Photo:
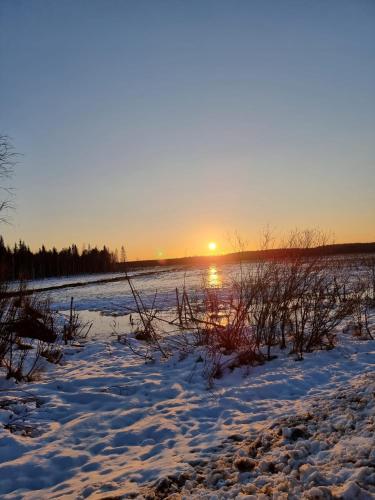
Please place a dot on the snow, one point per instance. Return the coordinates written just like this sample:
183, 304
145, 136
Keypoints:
114, 298
335, 460
86, 278
106, 423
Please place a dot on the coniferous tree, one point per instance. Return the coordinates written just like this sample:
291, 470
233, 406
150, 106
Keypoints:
21, 263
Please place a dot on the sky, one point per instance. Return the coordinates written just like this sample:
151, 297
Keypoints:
164, 125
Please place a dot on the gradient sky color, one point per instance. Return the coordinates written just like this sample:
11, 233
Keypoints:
163, 125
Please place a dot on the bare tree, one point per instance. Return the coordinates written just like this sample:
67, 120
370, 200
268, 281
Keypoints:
7, 162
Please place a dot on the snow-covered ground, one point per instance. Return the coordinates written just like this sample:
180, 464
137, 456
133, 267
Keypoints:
104, 423
325, 451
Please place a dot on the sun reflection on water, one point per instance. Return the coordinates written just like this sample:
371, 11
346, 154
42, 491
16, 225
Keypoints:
213, 277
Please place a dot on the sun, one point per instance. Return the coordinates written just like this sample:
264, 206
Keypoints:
212, 246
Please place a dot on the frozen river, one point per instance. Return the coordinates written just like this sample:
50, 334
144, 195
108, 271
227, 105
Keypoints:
101, 302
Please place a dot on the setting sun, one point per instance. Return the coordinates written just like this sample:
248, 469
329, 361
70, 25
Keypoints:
212, 246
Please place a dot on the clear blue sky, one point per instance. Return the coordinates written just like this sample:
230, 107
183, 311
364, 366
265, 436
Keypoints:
163, 125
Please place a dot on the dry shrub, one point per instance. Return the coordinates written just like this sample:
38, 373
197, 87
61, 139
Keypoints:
31, 331
297, 299
74, 329
361, 303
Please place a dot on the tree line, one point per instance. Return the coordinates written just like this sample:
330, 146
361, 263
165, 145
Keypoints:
20, 262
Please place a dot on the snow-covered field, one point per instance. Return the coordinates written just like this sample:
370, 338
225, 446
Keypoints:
105, 423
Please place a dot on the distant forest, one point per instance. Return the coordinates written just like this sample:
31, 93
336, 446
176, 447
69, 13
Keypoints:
20, 262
